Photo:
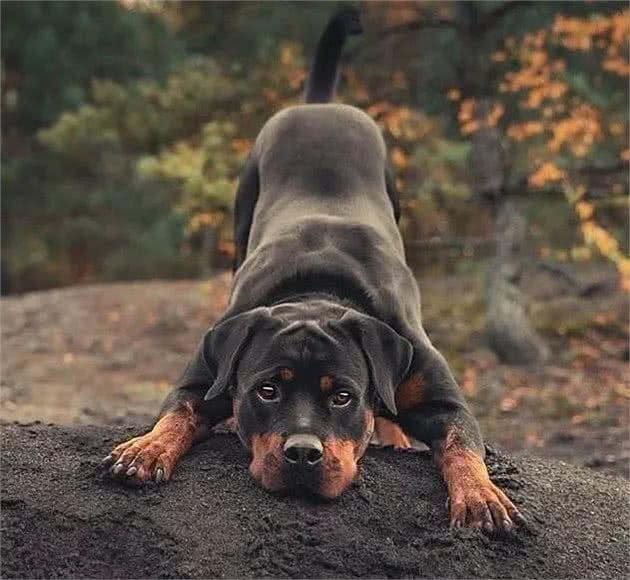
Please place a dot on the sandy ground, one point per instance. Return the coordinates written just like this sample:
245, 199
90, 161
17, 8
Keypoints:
62, 519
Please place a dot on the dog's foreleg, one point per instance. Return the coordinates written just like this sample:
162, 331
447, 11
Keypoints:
432, 409
185, 418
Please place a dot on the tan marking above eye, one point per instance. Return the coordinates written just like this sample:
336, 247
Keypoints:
287, 374
326, 383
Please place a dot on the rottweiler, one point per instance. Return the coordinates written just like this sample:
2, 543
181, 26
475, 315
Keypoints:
322, 340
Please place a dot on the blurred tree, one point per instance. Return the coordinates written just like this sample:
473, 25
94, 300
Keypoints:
160, 133
51, 51
139, 135
574, 124
556, 104
62, 46
476, 73
113, 121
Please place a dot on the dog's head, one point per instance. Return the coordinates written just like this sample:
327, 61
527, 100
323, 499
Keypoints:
304, 380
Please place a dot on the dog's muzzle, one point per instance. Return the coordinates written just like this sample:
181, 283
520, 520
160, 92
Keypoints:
303, 451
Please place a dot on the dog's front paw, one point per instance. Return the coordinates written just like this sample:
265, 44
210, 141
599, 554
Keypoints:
483, 506
152, 457
141, 459
473, 499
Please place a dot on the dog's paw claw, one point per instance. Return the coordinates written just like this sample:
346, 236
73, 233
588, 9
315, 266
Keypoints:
152, 456
519, 518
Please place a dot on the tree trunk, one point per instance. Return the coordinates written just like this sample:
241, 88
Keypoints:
208, 248
508, 331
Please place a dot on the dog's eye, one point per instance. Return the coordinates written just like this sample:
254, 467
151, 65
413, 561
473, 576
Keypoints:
341, 398
267, 392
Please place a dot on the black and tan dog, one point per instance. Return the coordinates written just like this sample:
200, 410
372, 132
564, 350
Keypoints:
322, 339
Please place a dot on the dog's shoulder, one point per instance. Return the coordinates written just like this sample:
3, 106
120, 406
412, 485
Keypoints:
348, 258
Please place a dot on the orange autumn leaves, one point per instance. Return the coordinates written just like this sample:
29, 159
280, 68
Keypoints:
560, 126
576, 131
546, 173
470, 120
597, 236
537, 74
607, 33
579, 131
405, 125
565, 118
522, 131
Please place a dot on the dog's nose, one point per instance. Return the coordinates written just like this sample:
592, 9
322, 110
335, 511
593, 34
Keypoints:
303, 450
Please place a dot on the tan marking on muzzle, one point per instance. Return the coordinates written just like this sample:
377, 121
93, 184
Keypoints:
267, 460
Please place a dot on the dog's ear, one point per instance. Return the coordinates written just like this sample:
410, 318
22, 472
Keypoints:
387, 353
215, 361
224, 344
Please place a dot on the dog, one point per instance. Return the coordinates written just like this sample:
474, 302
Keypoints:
322, 340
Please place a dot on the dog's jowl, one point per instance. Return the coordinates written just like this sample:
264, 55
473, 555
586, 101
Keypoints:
322, 340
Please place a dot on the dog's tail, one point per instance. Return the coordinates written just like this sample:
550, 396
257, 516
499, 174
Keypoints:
322, 79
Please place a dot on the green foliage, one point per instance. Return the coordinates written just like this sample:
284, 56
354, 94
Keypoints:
147, 139
204, 174
52, 50
443, 166
125, 124
155, 251
144, 116
62, 214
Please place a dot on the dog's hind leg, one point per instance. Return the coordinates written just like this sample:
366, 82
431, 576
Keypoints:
392, 192
244, 205
389, 434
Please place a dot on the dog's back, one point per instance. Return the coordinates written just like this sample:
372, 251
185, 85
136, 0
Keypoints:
321, 161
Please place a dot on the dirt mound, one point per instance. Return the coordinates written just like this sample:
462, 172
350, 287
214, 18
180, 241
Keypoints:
60, 518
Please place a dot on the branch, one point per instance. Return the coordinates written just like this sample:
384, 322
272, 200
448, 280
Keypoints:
415, 25
598, 170
445, 24
411, 26
493, 17
519, 185
582, 289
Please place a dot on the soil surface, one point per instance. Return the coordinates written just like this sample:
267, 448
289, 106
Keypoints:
62, 518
